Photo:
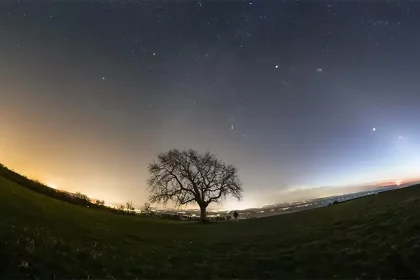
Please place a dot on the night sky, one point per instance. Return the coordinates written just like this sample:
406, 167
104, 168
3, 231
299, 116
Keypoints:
296, 94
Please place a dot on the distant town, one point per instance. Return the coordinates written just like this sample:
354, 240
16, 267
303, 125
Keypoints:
270, 210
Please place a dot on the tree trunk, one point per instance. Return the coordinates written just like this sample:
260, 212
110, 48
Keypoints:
203, 216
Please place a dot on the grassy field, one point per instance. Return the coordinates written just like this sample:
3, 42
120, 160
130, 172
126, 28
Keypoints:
377, 236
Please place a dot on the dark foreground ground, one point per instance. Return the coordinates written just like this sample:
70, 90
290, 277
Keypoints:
372, 237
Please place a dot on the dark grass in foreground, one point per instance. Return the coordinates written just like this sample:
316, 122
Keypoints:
377, 236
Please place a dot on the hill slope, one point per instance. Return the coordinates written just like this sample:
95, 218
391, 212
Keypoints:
375, 236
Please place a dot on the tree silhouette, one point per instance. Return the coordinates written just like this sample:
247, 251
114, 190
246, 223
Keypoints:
147, 209
129, 206
100, 202
186, 177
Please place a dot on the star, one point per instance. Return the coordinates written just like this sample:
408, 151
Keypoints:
319, 70
231, 127
374, 129
103, 78
154, 53
276, 66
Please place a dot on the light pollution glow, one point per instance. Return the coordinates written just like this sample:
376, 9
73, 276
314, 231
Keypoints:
23, 150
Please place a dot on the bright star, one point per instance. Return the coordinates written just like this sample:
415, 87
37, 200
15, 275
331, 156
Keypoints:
374, 129
276, 66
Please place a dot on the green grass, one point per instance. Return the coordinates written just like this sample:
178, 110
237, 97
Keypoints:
372, 237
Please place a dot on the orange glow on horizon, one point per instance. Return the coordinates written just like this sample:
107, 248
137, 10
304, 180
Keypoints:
52, 186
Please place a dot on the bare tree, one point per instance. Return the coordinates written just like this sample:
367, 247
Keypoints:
100, 202
147, 208
185, 177
129, 206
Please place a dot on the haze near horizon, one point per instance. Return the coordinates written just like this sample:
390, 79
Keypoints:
296, 95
